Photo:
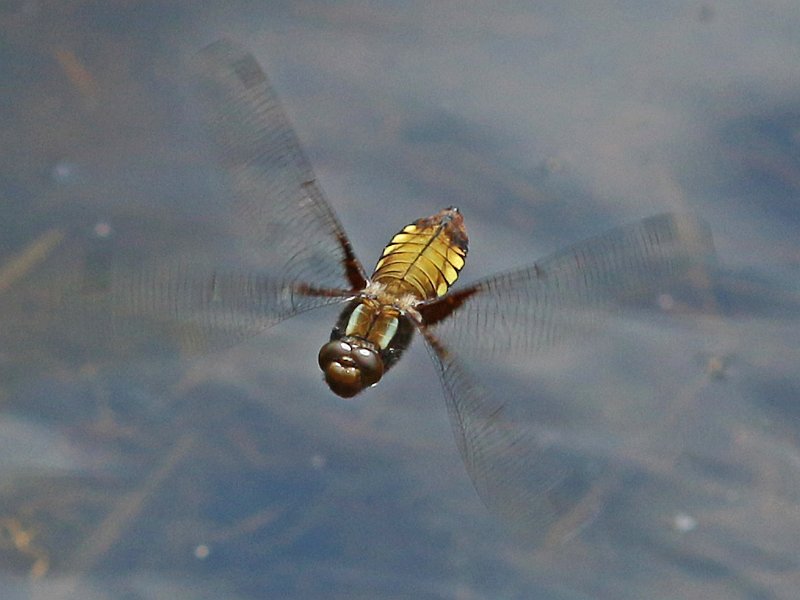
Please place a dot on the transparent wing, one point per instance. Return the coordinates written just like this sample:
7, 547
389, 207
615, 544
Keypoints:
276, 201
511, 464
265, 246
534, 431
567, 293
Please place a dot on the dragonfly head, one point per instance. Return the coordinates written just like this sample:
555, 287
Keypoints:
350, 366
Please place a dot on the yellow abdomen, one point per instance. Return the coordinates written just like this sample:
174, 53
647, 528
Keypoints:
425, 258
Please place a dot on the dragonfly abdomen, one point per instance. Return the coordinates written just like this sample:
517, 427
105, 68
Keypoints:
425, 257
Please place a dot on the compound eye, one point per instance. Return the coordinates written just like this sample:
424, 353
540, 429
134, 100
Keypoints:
349, 369
333, 351
370, 365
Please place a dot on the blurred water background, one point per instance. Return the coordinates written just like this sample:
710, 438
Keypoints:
237, 474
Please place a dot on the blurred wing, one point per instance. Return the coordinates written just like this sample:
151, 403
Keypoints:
282, 251
511, 465
567, 293
277, 203
86, 300
532, 469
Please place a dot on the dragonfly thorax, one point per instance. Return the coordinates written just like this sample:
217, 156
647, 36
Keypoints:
368, 338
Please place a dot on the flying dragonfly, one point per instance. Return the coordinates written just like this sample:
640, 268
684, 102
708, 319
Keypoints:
304, 260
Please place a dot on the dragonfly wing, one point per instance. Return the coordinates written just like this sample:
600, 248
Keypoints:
265, 246
511, 465
84, 299
537, 454
276, 200
534, 308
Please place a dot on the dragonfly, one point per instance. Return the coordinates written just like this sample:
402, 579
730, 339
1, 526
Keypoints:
302, 259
